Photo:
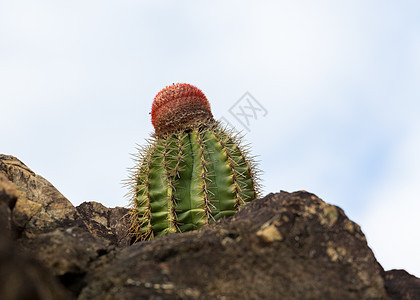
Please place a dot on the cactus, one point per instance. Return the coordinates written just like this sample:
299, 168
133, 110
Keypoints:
192, 170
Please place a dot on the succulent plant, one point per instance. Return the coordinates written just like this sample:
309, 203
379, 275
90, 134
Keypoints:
192, 171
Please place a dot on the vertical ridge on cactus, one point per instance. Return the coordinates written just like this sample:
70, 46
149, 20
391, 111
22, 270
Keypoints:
192, 171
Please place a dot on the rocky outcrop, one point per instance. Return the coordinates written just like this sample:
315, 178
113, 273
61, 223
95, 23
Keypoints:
63, 239
41, 207
401, 285
21, 276
8, 198
112, 224
285, 245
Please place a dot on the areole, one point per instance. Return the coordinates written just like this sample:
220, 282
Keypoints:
192, 170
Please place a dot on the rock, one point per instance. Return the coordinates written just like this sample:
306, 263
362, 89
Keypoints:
110, 223
288, 246
21, 276
48, 225
42, 208
67, 254
8, 197
401, 285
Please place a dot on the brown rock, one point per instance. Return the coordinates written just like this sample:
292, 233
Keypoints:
8, 198
42, 208
66, 251
21, 277
401, 285
284, 246
67, 254
49, 226
109, 223
288, 246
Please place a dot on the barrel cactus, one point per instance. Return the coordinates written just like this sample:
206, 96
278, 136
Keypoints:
192, 171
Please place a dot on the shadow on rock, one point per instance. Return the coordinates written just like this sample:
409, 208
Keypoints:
283, 246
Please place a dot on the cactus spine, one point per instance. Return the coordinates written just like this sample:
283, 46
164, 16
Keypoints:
192, 171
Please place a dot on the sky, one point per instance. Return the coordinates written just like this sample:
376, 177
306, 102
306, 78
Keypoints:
326, 92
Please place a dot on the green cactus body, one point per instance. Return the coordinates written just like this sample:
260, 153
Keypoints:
189, 177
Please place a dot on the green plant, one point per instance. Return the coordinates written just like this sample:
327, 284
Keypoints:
192, 170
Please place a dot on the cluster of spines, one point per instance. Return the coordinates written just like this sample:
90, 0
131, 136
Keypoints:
138, 192
167, 156
207, 206
233, 165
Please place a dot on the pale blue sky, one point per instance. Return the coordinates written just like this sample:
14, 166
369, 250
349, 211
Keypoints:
340, 82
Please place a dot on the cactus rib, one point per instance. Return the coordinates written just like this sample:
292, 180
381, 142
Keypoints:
193, 170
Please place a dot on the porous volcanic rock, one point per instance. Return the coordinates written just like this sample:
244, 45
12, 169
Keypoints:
283, 246
41, 207
44, 223
400, 284
8, 197
38, 208
21, 276
67, 253
112, 224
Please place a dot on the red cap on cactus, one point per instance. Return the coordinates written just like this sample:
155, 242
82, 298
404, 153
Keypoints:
178, 106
